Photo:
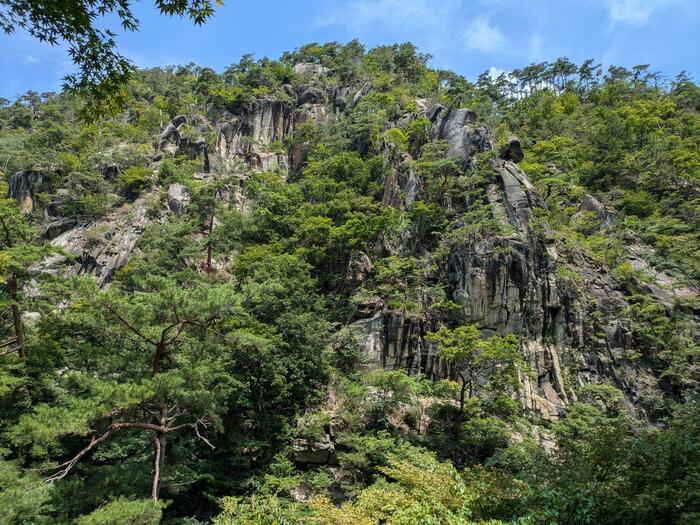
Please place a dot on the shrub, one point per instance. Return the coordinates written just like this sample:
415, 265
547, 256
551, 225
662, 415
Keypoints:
133, 180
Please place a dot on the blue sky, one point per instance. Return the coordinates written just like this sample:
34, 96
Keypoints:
468, 36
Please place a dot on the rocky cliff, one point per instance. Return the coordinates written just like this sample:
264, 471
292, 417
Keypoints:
573, 331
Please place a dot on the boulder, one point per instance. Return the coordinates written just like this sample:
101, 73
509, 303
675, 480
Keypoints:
169, 140
178, 198
312, 95
110, 172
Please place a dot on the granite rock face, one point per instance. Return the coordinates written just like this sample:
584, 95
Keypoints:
178, 198
24, 187
512, 150
169, 140
508, 283
464, 135
604, 214
243, 139
100, 248
172, 142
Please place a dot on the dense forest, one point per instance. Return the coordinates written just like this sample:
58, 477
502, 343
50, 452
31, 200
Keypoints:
344, 287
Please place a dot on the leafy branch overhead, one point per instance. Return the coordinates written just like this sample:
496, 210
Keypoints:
102, 71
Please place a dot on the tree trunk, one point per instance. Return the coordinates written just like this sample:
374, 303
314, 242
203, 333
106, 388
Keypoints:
462, 393
157, 357
209, 247
158, 464
16, 317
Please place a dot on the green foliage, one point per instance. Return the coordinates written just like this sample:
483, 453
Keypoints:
473, 357
123, 511
24, 498
235, 324
102, 70
133, 180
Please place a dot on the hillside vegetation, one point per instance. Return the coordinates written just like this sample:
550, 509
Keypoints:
343, 287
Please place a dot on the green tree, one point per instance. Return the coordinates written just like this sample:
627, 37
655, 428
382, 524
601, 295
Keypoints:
149, 362
20, 246
473, 357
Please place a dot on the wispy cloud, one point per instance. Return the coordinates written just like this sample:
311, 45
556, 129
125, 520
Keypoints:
483, 36
635, 12
391, 15
495, 72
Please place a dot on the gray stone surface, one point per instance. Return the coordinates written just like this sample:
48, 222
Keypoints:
178, 198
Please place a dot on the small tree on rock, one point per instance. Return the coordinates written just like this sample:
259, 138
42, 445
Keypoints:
474, 357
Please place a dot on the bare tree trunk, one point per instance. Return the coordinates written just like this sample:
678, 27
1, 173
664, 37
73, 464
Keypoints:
158, 464
16, 317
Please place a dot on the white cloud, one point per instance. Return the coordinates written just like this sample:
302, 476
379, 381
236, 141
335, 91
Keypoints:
495, 72
392, 15
635, 12
482, 36
29, 59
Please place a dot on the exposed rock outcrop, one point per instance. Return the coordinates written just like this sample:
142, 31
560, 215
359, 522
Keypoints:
178, 198
512, 150
24, 186
309, 70
359, 267
507, 283
169, 140
604, 214
464, 135
100, 248
315, 452
245, 138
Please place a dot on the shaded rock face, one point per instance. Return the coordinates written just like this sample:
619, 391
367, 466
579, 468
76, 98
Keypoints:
173, 143
57, 227
24, 187
319, 452
512, 150
393, 341
359, 267
110, 172
242, 138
